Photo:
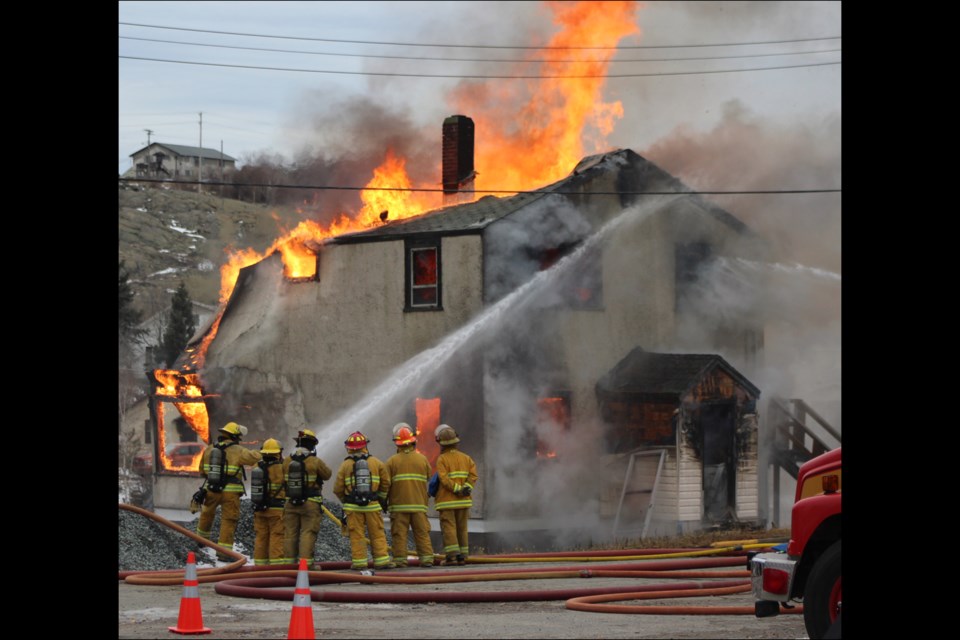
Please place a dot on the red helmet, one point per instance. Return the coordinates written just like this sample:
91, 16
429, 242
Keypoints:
355, 441
404, 436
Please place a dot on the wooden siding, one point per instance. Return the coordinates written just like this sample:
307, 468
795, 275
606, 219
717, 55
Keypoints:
690, 485
748, 472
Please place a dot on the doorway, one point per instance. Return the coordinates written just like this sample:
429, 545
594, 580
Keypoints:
718, 426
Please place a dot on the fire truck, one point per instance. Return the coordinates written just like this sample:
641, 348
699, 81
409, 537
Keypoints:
809, 569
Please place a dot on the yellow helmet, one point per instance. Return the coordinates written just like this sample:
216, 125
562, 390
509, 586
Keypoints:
404, 436
446, 435
270, 446
234, 429
306, 438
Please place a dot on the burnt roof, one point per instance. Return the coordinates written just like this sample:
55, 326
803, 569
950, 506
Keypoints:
475, 216
665, 374
456, 219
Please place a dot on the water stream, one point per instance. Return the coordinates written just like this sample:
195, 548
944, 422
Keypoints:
405, 377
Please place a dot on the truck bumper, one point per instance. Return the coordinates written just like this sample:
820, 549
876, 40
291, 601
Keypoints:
771, 577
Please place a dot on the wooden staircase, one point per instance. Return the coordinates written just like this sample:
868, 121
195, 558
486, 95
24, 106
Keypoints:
794, 433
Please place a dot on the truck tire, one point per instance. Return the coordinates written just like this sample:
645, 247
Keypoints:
821, 598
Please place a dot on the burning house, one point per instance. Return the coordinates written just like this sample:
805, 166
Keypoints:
511, 319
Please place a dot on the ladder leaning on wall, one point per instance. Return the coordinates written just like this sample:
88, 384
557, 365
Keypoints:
651, 490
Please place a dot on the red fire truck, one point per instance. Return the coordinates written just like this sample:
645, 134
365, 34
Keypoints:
809, 570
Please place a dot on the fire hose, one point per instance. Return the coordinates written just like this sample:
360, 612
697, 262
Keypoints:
276, 582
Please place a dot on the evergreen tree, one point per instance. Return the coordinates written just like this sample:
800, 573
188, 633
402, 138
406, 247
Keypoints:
180, 326
129, 336
130, 332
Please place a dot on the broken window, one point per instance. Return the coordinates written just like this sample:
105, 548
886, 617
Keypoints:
689, 260
423, 275
553, 421
581, 287
181, 434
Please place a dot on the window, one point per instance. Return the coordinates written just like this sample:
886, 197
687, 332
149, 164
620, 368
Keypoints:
689, 260
553, 421
423, 275
582, 285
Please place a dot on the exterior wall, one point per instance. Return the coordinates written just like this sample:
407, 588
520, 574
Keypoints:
748, 473
689, 489
638, 296
179, 166
316, 348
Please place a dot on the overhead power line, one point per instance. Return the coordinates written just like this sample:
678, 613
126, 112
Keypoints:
475, 46
504, 191
449, 59
477, 76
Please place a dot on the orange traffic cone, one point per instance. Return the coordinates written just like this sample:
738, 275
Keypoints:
190, 620
301, 622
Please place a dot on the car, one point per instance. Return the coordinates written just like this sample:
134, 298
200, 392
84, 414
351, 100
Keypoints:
181, 454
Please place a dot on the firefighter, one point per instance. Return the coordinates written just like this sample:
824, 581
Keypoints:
457, 474
268, 502
407, 498
303, 475
362, 485
222, 467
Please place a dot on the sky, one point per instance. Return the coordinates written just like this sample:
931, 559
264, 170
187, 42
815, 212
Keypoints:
249, 111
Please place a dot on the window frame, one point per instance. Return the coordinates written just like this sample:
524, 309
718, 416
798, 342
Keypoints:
411, 246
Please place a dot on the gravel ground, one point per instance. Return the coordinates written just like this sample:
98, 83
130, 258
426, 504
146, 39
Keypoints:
147, 545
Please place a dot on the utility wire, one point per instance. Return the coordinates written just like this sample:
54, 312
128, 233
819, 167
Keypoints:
447, 59
506, 191
478, 77
475, 46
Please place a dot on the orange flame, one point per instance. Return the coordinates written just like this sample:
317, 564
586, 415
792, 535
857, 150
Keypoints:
195, 413
533, 143
542, 138
553, 416
428, 419
177, 385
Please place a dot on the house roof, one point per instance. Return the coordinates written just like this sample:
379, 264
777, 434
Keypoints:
648, 373
463, 218
192, 152
475, 216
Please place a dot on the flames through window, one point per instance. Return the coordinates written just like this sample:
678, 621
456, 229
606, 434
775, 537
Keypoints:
553, 420
192, 424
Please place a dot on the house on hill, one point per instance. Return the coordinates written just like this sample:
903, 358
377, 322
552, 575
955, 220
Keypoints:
181, 162
507, 318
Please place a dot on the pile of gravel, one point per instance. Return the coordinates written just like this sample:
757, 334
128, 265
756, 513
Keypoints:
147, 545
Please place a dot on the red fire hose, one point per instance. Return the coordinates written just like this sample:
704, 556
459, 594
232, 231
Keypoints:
277, 583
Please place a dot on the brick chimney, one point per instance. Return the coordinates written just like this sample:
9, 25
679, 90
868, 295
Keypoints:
458, 169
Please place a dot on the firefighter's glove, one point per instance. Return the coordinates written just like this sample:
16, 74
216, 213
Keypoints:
383, 504
197, 500
467, 490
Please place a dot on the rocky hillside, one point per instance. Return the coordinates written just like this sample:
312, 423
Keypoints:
167, 235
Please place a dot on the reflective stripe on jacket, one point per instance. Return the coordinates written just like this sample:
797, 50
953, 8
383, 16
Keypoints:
315, 470
379, 484
237, 458
455, 470
409, 473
